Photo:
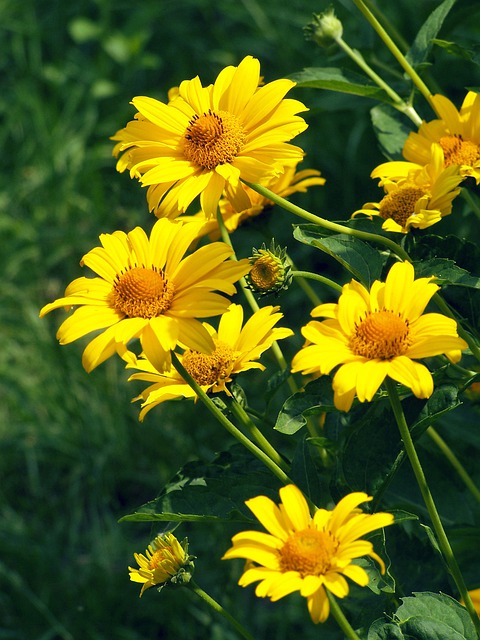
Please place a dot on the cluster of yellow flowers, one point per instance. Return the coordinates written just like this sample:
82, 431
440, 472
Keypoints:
212, 142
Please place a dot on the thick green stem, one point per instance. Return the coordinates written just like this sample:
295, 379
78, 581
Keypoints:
442, 539
398, 102
395, 51
229, 426
340, 618
327, 224
193, 586
319, 278
241, 415
455, 462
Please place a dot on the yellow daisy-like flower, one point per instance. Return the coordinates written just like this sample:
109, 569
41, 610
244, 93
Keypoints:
475, 596
457, 132
207, 138
147, 288
304, 553
237, 349
166, 560
416, 196
378, 333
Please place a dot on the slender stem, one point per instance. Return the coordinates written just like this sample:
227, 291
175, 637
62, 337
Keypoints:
318, 277
395, 51
398, 102
229, 426
327, 224
240, 413
340, 618
442, 539
193, 586
443, 306
467, 196
455, 462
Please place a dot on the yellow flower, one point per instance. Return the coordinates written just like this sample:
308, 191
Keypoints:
165, 561
378, 333
475, 596
148, 289
236, 350
457, 132
207, 138
416, 196
304, 553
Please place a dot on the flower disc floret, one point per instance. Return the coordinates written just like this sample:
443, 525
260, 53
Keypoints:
305, 553
372, 334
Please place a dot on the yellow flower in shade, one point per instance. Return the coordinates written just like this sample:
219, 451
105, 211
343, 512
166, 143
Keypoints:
457, 132
208, 138
237, 349
165, 561
416, 196
378, 333
304, 553
148, 289
291, 181
475, 596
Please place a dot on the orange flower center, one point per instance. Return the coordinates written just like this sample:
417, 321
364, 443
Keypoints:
142, 293
310, 552
208, 369
400, 204
382, 334
156, 560
264, 272
459, 151
213, 138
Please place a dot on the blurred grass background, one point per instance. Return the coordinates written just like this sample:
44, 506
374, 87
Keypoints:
74, 458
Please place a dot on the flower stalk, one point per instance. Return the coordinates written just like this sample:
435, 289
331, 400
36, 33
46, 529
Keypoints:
340, 618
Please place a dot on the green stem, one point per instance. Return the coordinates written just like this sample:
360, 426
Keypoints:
455, 462
467, 196
241, 415
327, 224
395, 51
398, 102
193, 586
445, 309
319, 278
229, 426
442, 539
340, 618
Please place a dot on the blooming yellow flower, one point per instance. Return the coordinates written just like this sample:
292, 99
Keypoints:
416, 196
207, 138
378, 333
237, 349
304, 553
148, 289
457, 132
290, 181
166, 560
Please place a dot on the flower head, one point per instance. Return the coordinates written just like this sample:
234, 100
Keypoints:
206, 138
457, 132
236, 349
271, 270
148, 289
416, 196
166, 561
324, 28
305, 553
378, 333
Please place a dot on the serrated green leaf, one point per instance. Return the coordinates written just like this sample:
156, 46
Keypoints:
360, 259
316, 398
423, 42
446, 272
443, 400
341, 80
390, 129
211, 491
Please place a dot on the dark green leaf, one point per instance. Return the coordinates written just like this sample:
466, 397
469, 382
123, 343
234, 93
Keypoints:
211, 491
429, 30
360, 259
446, 272
443, 400
316, 398
454, 49
341, 80
306, 471
390, 128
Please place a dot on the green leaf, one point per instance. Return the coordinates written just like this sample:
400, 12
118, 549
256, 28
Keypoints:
360, 259
446, 272
214, 491
443, 400
341, 80
471, 55
316, 398
426, 616
306, 471
429, 30
390, 129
